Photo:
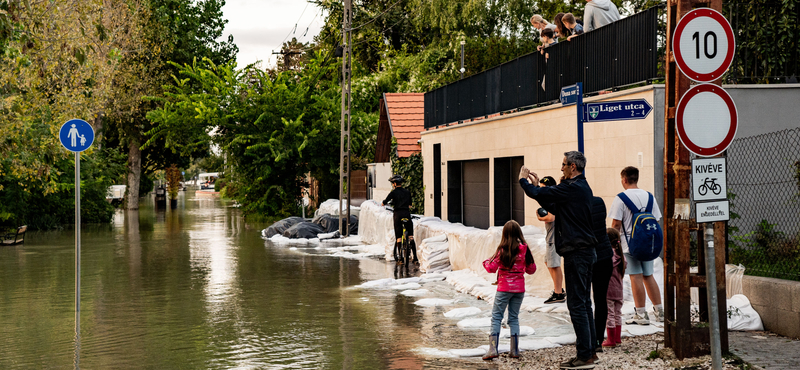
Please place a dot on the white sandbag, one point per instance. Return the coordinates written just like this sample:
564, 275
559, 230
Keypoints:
523, 332
433, 302
434, 254
733, 280
462, 312
480, 322
415, 292
741, 315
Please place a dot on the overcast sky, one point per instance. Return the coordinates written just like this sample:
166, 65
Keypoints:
259, 27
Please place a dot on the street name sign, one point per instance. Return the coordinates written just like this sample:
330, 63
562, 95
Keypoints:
709, 181
76, 135
619, 110
712, 211
570, 94
703, 44
706, 120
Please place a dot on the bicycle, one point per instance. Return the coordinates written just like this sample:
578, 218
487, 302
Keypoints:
405, 248
709, 183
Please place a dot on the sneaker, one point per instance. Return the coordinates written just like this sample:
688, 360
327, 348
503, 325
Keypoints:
576, 363
658, 315
556, 297
639, 320
596, 359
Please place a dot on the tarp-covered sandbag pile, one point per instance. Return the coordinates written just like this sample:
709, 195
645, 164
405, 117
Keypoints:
279, 227
298, 228
331, 207
330, 223
303, 230
434, 255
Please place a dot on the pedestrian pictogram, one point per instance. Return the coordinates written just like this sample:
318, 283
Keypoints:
703, 45
76, 135
706, 120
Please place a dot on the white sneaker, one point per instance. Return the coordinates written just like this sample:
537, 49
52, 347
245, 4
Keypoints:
638, 320
658, 315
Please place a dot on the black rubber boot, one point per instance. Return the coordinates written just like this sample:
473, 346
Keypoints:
493, 339
514, 353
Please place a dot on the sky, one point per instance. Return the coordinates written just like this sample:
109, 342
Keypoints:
259, 27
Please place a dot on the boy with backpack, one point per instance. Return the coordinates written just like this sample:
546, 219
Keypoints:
642, 241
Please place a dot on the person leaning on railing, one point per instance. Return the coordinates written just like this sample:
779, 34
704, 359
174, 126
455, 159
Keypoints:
574, 26
599, 13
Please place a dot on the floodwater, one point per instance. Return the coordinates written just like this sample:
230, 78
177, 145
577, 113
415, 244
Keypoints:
197, 288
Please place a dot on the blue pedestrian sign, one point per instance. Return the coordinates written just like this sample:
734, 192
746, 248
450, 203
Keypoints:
570, 94
76, 135
619, 110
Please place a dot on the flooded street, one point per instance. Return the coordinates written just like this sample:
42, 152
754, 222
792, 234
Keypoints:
198, 288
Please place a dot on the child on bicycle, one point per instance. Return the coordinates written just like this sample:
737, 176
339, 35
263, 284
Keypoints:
401, 203
514, 260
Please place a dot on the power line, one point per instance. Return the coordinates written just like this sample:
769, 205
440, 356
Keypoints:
295, 25
377, 16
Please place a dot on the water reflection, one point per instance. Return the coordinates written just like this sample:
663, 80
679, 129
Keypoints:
197, 287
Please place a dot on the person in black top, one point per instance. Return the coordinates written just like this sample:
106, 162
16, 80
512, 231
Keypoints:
400, 198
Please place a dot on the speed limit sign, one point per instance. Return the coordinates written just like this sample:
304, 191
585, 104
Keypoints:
703, 44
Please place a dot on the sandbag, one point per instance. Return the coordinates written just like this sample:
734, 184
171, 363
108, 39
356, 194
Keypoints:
281, 226
330, 223
303, 230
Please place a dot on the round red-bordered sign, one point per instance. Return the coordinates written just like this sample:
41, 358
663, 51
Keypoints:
706, 120
703, 44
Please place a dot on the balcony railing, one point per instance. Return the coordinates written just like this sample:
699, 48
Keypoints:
619, 54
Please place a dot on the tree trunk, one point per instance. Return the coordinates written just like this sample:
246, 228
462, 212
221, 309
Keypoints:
134, 174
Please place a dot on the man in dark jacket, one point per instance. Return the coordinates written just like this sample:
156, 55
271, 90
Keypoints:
570, 201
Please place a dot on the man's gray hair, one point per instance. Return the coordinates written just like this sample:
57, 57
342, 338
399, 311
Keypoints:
577, 158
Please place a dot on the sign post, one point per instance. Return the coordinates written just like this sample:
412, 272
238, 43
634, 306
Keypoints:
76, 136
573, 94
706, 121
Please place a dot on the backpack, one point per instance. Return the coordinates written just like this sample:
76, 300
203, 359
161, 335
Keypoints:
646, 239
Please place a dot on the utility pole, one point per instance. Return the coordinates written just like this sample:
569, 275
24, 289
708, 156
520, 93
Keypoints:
344, 157
462, 59
287, 57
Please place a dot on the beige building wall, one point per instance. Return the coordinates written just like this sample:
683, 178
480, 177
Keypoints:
542, 136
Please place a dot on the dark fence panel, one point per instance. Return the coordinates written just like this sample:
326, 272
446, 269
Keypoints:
764, 190
618, 54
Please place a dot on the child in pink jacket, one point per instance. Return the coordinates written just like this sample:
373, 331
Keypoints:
614, 295
513, 259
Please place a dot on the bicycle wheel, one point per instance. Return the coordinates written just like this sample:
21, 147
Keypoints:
702, 189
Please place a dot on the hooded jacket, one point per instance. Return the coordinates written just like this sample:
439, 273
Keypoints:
599, 13
571, 202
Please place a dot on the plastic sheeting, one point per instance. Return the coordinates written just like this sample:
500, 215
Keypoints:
741, 315
279, 227
330, 223
331, 207
303, 230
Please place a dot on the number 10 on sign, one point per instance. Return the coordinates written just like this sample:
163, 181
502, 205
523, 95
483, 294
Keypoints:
703, 45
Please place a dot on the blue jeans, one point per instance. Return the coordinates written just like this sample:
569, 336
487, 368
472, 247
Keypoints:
502, 300
578, 281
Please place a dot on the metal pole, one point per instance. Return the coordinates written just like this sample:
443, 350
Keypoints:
462, 59
77, 256
713, 308
344, 157
580, 116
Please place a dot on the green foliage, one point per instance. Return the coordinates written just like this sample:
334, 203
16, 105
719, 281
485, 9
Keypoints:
146, 184
411, 169
767, 40
29, 203
767, 251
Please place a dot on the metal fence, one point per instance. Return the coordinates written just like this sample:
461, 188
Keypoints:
764, 189
619, 54
767, 41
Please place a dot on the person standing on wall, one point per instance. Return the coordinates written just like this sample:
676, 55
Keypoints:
641, 272
570, 201
400, 198
599, 13
551, 259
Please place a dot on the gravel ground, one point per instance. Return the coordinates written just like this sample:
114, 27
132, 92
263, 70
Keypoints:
633, 353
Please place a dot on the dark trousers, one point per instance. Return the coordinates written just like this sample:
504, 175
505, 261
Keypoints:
578, 279
601, 274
